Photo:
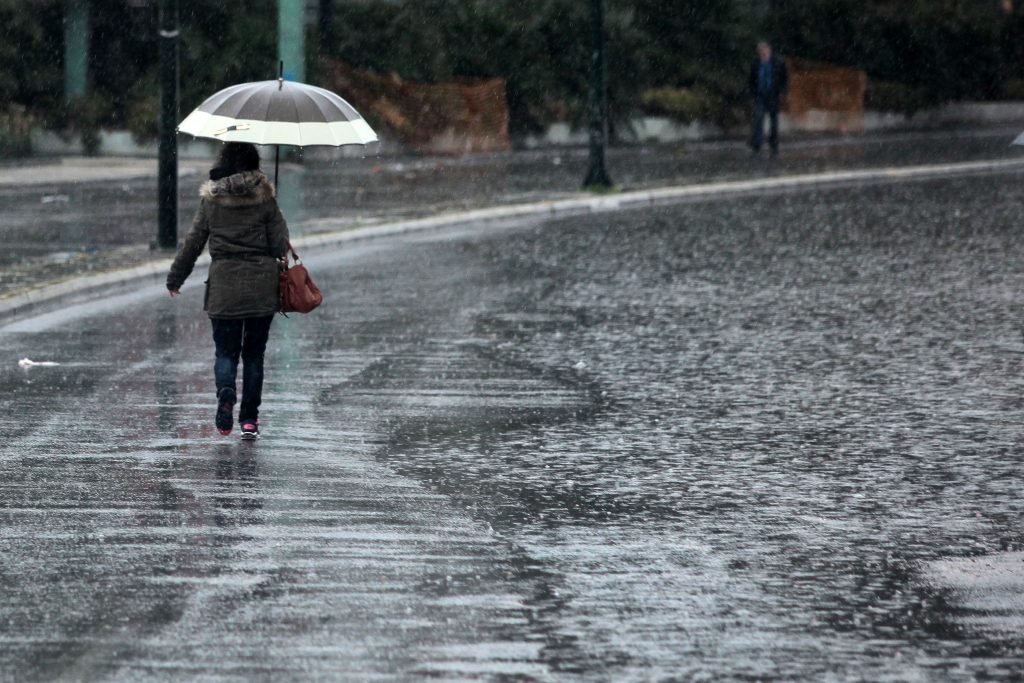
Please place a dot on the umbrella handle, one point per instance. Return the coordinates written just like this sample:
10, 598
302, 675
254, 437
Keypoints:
277, 148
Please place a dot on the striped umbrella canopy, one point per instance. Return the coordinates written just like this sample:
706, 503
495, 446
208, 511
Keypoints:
278, 112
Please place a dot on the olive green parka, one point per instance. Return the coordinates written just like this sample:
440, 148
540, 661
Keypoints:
238, 215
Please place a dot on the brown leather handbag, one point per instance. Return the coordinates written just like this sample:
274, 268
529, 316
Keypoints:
296, 288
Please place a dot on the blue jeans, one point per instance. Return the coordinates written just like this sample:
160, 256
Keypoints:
245, 339
762, 107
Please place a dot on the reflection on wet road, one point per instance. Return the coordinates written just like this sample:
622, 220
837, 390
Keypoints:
761, 439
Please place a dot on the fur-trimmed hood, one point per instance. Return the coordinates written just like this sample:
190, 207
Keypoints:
239, 189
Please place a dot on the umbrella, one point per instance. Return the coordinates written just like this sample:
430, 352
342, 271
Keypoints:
278, 112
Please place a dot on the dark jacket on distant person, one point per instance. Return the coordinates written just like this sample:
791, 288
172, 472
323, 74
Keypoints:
779, 81
238, 215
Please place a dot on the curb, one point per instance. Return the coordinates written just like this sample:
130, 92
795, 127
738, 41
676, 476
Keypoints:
88, 287
88, 170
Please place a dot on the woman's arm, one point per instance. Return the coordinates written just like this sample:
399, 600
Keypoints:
190, 250
277, 232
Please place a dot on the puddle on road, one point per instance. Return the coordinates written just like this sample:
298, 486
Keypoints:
985, 593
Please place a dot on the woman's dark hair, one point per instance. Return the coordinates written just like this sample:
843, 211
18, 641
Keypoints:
235, 157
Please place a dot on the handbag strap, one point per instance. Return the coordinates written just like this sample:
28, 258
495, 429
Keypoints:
295, 256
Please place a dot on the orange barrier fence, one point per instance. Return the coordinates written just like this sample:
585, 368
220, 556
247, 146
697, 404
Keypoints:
442, 118
826, 97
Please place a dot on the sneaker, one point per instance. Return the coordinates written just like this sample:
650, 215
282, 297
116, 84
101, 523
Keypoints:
250, 430
225, 411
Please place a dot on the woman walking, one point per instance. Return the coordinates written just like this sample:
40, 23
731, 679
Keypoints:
238, 214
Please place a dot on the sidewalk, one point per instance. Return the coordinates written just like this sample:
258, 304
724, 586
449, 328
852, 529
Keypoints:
70, 170
85, 217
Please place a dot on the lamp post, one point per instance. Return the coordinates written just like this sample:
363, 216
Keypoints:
291, 38
167, 175
597, 176
76, 49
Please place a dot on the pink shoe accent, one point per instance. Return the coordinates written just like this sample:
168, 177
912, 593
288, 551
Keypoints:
249, 425
224, 432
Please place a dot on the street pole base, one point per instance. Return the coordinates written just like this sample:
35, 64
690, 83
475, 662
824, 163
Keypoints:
597, 180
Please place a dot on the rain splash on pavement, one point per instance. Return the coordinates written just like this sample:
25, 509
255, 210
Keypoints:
732, 440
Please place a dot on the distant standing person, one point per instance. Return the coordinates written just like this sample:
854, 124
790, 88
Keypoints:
769, 84
239, 217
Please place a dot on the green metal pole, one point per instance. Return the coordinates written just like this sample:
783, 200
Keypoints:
291, 38
167, 175
76, 49
597, 176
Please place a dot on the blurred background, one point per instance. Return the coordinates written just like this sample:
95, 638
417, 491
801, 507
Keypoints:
445, 76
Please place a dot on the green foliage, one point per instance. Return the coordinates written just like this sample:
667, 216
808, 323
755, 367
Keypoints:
700, 47
541, 48
601, 189
683, 104
31, 52
142, 111
940, 49
896, 97
85, 116
682, 58
224, 43
538, 47
684, 43
221, 44
1013, 89
15, 132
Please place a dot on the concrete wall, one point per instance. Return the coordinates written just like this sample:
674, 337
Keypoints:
116, 143
977, 113
655, 129
642, 130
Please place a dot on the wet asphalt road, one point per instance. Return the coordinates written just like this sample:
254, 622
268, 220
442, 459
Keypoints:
772, 438
50, 227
